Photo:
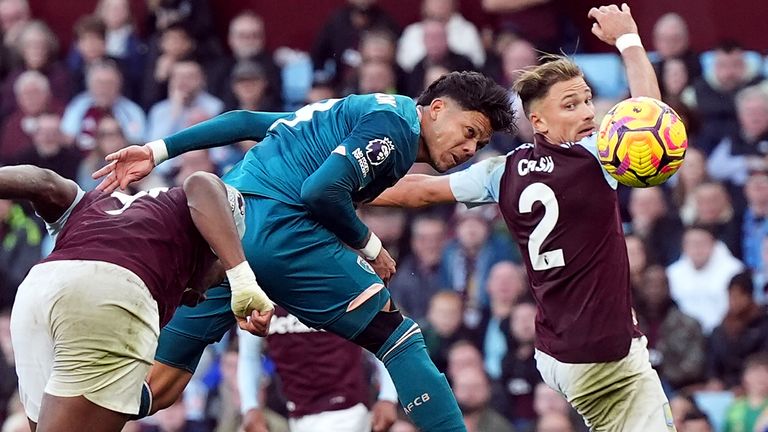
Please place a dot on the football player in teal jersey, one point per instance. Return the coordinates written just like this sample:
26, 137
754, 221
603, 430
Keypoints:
310, 251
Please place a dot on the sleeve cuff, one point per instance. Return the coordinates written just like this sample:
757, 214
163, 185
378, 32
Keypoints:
159, 151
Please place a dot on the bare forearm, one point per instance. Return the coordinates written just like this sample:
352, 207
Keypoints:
495, 6
416, 190
208, 205
49, 193
640, 74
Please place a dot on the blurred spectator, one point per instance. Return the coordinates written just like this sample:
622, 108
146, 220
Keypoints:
691, 174
247, 43
520, 376
19, 251
754, 226
37, 46
697, 421
433, 73
188, 102
506, 286
638, 260
50, 149
419, 275
319, 92
674, 79
175, 44
14, 15
443, 327
554, 422
389, 225
699, 280
516, 56
379, 45
462, 356
743, 413
194, 15
676, 344
712, 97
548, 402
102, 97
714, 209
473, 393
438, 52
743, 332
8, 380
746, 148
462, 36
334, 53
109, 139
123, 43
543, 22
88, 48
468, 259
376, 77
682, 404
249, 86
659, 228
191, 162
33, 94
671, 41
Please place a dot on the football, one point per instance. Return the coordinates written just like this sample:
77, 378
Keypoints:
641, 142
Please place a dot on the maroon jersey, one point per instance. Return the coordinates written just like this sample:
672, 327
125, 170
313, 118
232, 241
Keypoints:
320, 371
559, 205
150, 233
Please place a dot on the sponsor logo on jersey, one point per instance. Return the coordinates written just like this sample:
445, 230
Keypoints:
545, 164
420, 400
378, 150
364, 264
364, 168
287, 325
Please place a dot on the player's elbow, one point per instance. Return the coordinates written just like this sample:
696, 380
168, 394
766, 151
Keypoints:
314, 195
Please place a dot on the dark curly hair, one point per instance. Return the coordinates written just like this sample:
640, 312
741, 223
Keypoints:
474, 91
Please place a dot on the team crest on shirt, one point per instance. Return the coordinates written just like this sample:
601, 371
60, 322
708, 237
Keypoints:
364, 264
378, 150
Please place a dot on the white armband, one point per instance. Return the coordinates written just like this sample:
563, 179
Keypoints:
159, 151
628, 40
372, 248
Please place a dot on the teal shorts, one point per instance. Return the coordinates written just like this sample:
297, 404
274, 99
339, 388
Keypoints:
301, 265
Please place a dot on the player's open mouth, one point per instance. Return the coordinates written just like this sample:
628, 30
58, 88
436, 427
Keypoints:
587, 131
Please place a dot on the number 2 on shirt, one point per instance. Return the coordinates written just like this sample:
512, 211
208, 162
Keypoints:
545, 195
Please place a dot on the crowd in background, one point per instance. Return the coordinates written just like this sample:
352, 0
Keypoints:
697, 245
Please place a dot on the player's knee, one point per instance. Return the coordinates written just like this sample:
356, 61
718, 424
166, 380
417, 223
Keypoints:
379, 330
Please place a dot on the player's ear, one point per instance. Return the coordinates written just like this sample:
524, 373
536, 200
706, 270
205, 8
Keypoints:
538, 123
435, 107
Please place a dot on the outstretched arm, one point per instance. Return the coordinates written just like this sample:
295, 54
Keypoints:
136, 162
616, 27
417, 190
212, 215
50, 194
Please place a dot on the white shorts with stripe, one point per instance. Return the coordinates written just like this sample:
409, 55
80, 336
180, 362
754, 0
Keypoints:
83, 328
620, 396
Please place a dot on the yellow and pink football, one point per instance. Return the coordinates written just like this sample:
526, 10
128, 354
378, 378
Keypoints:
641, 142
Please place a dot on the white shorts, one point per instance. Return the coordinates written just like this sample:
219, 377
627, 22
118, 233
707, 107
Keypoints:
83, 328
624, 395
353, 419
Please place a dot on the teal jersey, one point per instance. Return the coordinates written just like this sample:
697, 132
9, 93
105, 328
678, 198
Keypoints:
377, 133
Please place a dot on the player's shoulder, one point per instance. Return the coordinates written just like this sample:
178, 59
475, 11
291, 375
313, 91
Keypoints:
384, 105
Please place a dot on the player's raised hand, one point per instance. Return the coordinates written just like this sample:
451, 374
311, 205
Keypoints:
125, 166
384, 266
383, 416
612, 22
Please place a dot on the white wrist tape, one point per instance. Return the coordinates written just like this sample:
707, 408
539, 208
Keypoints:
372, 248
159, 151
628, 40
240, 277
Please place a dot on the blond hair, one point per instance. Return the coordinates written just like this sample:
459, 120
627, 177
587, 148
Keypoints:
534, 83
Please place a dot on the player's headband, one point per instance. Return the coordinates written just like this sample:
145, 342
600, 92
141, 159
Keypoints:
237, 207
